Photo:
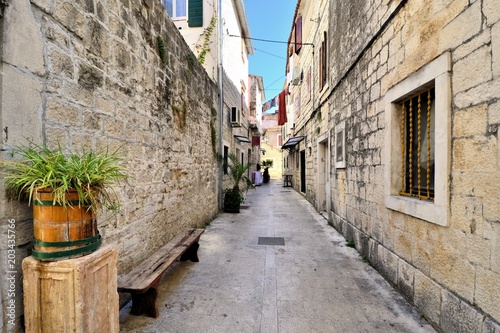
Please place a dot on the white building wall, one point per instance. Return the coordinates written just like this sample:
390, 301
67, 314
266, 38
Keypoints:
194, 36
234, 52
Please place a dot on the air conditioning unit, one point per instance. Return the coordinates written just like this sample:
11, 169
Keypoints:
235, 117
297, 76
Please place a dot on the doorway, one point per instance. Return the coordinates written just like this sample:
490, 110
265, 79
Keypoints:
323, 194
303, 171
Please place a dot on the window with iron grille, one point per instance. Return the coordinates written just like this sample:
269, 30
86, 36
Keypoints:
417, 145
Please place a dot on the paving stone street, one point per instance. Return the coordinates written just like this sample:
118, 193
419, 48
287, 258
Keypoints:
312, 283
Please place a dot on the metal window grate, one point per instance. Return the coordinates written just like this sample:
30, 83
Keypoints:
271, 241
417, 146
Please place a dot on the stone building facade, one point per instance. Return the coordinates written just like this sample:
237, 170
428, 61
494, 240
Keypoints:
257, 96
440, 250
109, 74
271, 146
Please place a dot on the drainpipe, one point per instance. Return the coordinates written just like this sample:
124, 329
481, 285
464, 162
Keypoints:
221, 104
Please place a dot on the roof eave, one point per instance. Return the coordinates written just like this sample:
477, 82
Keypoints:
242, 17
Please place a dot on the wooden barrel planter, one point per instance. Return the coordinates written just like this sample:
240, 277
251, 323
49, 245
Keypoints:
62, 232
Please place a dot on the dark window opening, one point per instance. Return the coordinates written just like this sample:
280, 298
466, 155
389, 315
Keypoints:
417, 145
323, 62
225, 159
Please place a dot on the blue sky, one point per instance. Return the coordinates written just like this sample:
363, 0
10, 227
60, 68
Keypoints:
270, 20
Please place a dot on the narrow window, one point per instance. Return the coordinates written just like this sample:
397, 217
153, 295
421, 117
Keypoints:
175, 8
417, 145
340, 159
298, 103
225, 161
323, 62
169, 6
308, 86
298, 34
244, 107
180, 8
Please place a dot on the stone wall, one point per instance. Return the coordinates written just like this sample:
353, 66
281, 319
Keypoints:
310, 117
88, 73
450, 273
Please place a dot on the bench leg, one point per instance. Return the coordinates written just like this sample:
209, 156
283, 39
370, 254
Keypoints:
191, 253
145, 303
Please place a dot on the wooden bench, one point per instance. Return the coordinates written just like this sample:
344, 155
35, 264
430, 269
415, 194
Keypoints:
142, 282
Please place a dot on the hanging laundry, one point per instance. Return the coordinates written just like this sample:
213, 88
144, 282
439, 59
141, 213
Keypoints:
270, 104
277, 100
266, 106
282, 119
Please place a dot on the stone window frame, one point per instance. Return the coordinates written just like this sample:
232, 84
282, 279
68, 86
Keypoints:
436, 73
340, 129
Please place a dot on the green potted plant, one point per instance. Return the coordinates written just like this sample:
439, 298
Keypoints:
233, 197
66, 191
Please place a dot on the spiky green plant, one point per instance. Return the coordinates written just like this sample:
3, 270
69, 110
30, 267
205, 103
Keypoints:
237, 172
90, 172
233, 197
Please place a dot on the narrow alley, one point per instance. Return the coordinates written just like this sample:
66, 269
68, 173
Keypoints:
312, 283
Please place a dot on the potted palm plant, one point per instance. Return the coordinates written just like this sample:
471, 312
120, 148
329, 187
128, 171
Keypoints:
233, 197
66, 191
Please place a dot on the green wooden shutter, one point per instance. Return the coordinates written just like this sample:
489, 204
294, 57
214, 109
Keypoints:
195, 13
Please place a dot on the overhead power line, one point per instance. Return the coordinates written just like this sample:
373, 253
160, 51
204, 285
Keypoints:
270, 41
270, 85
271, 54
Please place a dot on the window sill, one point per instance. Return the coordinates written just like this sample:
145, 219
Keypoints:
322, 93
424, 210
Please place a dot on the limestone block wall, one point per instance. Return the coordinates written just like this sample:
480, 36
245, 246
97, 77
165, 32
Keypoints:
89, 74
305, 99
449, 272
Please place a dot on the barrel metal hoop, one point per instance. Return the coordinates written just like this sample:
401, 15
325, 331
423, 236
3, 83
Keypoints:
92, 239
94, 244
38, 202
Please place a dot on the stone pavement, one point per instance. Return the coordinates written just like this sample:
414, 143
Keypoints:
312, 283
